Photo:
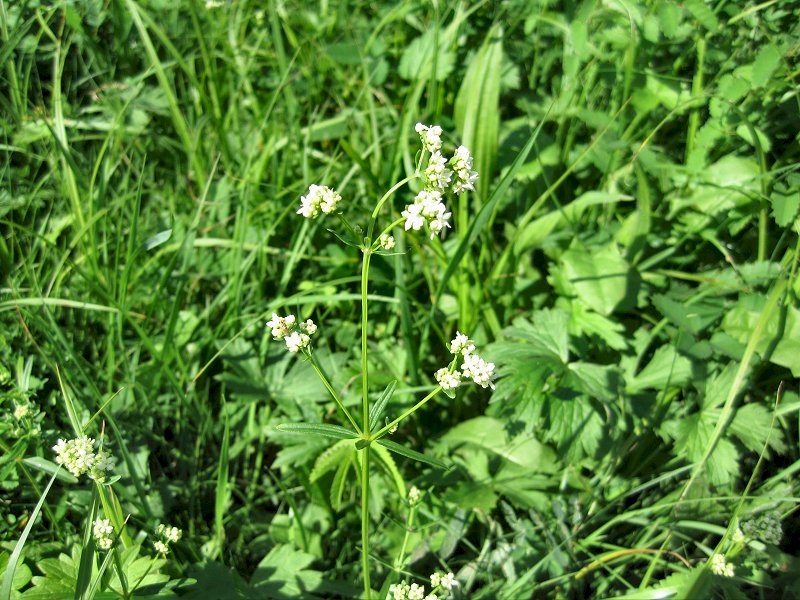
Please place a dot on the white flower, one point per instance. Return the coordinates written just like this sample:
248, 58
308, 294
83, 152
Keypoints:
427, 208
437, 174
168, 534
448, 379
319, 198
462, 344
416, 592
295, 341
281, 326
478, 370
386, 241
309, 326
78, 457
431, 597
462, 165
160, 547
448, 581
103, 461
103, 534
431, 137
399, 591
21, 411
414, 495
414, 220
720, 567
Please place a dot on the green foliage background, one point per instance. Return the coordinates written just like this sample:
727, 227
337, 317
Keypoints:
629, 261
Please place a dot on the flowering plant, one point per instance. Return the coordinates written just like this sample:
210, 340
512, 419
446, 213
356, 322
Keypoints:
440, 178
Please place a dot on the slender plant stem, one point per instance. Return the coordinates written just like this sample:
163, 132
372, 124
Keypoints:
332, 391
411, 410
386, 196
365, 520
367, 253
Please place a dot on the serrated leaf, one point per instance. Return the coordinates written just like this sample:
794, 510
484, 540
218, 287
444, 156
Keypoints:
694, 435
342, 451
783, 339
284, 573
589, 322
490, 434
753, 424
597, 381
767, 60
669, 15
422, 53
703, 13
695, 583
547, 336
599, 276
387, 462
784, 206
666, 368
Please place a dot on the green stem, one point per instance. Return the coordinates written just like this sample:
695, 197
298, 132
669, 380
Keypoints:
364, 363
383, 200
377, 243
411, 410
333, 393
365, 521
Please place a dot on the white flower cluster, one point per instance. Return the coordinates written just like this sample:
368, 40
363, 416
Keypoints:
296, 335
431, 137
78, 457
386, 241
414, 591
462, 165
319, 198
429, 209
720, 567
168, 535
414, 495
473, 366
103, 534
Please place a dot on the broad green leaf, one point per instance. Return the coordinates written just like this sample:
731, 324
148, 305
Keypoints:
419, 58
783, 341
597, 381
666, 368
754, 425
535, 232
319, 429
767, 60
694, 317
600, 277
546, 338
669, 15
785, 203
576, 427
490, 434
589, 323
284, 573
731, 181
702, 12
694, 433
